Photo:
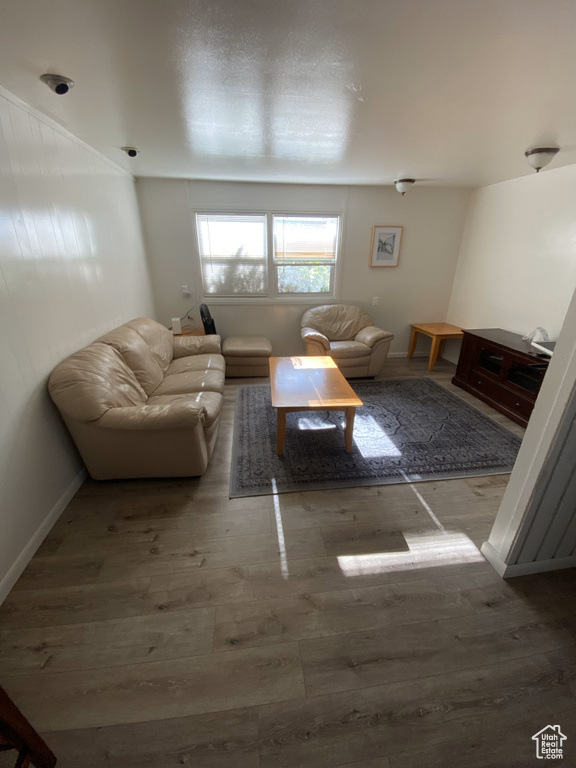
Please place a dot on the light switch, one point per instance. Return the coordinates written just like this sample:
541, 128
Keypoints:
375, 301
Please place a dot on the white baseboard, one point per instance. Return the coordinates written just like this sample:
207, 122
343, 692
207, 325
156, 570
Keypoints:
510, 570
46, 526
405, 354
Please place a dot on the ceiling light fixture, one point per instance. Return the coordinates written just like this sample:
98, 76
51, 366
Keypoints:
58, 83
403, 185
540, 156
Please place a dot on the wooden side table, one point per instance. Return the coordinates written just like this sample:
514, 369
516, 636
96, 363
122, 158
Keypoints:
438, 332
191, 332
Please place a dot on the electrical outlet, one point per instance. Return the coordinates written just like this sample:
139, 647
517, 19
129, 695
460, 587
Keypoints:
375, 301
185, 291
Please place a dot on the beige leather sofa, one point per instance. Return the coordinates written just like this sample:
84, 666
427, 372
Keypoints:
140, 402
347, 334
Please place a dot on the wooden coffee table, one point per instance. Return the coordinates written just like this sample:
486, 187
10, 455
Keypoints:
310, 384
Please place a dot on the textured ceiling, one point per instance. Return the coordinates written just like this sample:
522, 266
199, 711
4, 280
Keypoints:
318, 91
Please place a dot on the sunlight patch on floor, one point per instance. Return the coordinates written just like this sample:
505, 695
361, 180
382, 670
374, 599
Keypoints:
425, 504
371, 440
426, 550
315, 423
280, 531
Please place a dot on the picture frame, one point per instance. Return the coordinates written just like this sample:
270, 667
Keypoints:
386, 241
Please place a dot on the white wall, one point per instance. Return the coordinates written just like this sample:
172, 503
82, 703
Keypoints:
71, 267
517, 263
416, 291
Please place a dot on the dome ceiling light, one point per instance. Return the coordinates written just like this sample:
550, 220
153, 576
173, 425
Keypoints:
403, 185
540, 156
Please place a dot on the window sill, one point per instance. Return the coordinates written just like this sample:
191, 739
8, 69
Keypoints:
313, 301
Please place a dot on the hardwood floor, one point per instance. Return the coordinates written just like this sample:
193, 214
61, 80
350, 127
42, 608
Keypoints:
162, 624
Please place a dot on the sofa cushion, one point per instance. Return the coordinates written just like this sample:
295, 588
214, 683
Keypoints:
191, 382
196, 345
211, 401
93, 380
137, 355
336, 321
246, 346
158, 338
197, 363
341, 349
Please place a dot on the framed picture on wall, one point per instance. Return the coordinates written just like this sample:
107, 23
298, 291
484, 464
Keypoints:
385, 246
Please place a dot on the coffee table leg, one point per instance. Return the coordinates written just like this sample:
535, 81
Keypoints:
281, 430
413, 340
349, 430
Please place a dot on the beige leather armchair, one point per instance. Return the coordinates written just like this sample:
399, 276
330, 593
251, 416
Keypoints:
347, 334
140, 402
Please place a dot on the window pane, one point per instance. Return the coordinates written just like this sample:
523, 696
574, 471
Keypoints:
233, 253
305, 237
234, 279
311, 278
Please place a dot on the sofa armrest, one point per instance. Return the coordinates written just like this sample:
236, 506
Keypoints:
309, 334
196, 345
370, 335
179, 415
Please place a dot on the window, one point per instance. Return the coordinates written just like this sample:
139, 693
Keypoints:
262, 255
232, 254
305, 253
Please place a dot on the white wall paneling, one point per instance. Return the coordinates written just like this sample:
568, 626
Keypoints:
72, 266
535, 529
418, 290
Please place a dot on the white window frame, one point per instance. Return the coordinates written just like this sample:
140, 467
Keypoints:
272, 295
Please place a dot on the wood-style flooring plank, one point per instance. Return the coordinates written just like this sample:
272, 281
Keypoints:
74, 605
459, 498
363, 539
192, 589
326, 574
49, 546
564, 661
188, 554
66, 571
159, 690
267, 622
325, 731
495, 744
268, 581
106, 643
411, 651
215, 740
333, 512
121, 535
88, 510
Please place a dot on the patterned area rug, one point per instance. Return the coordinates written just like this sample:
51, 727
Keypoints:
407, 430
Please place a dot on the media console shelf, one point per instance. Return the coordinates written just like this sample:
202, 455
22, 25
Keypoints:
501, 369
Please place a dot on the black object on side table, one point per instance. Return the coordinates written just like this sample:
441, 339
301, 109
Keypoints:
501, 369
